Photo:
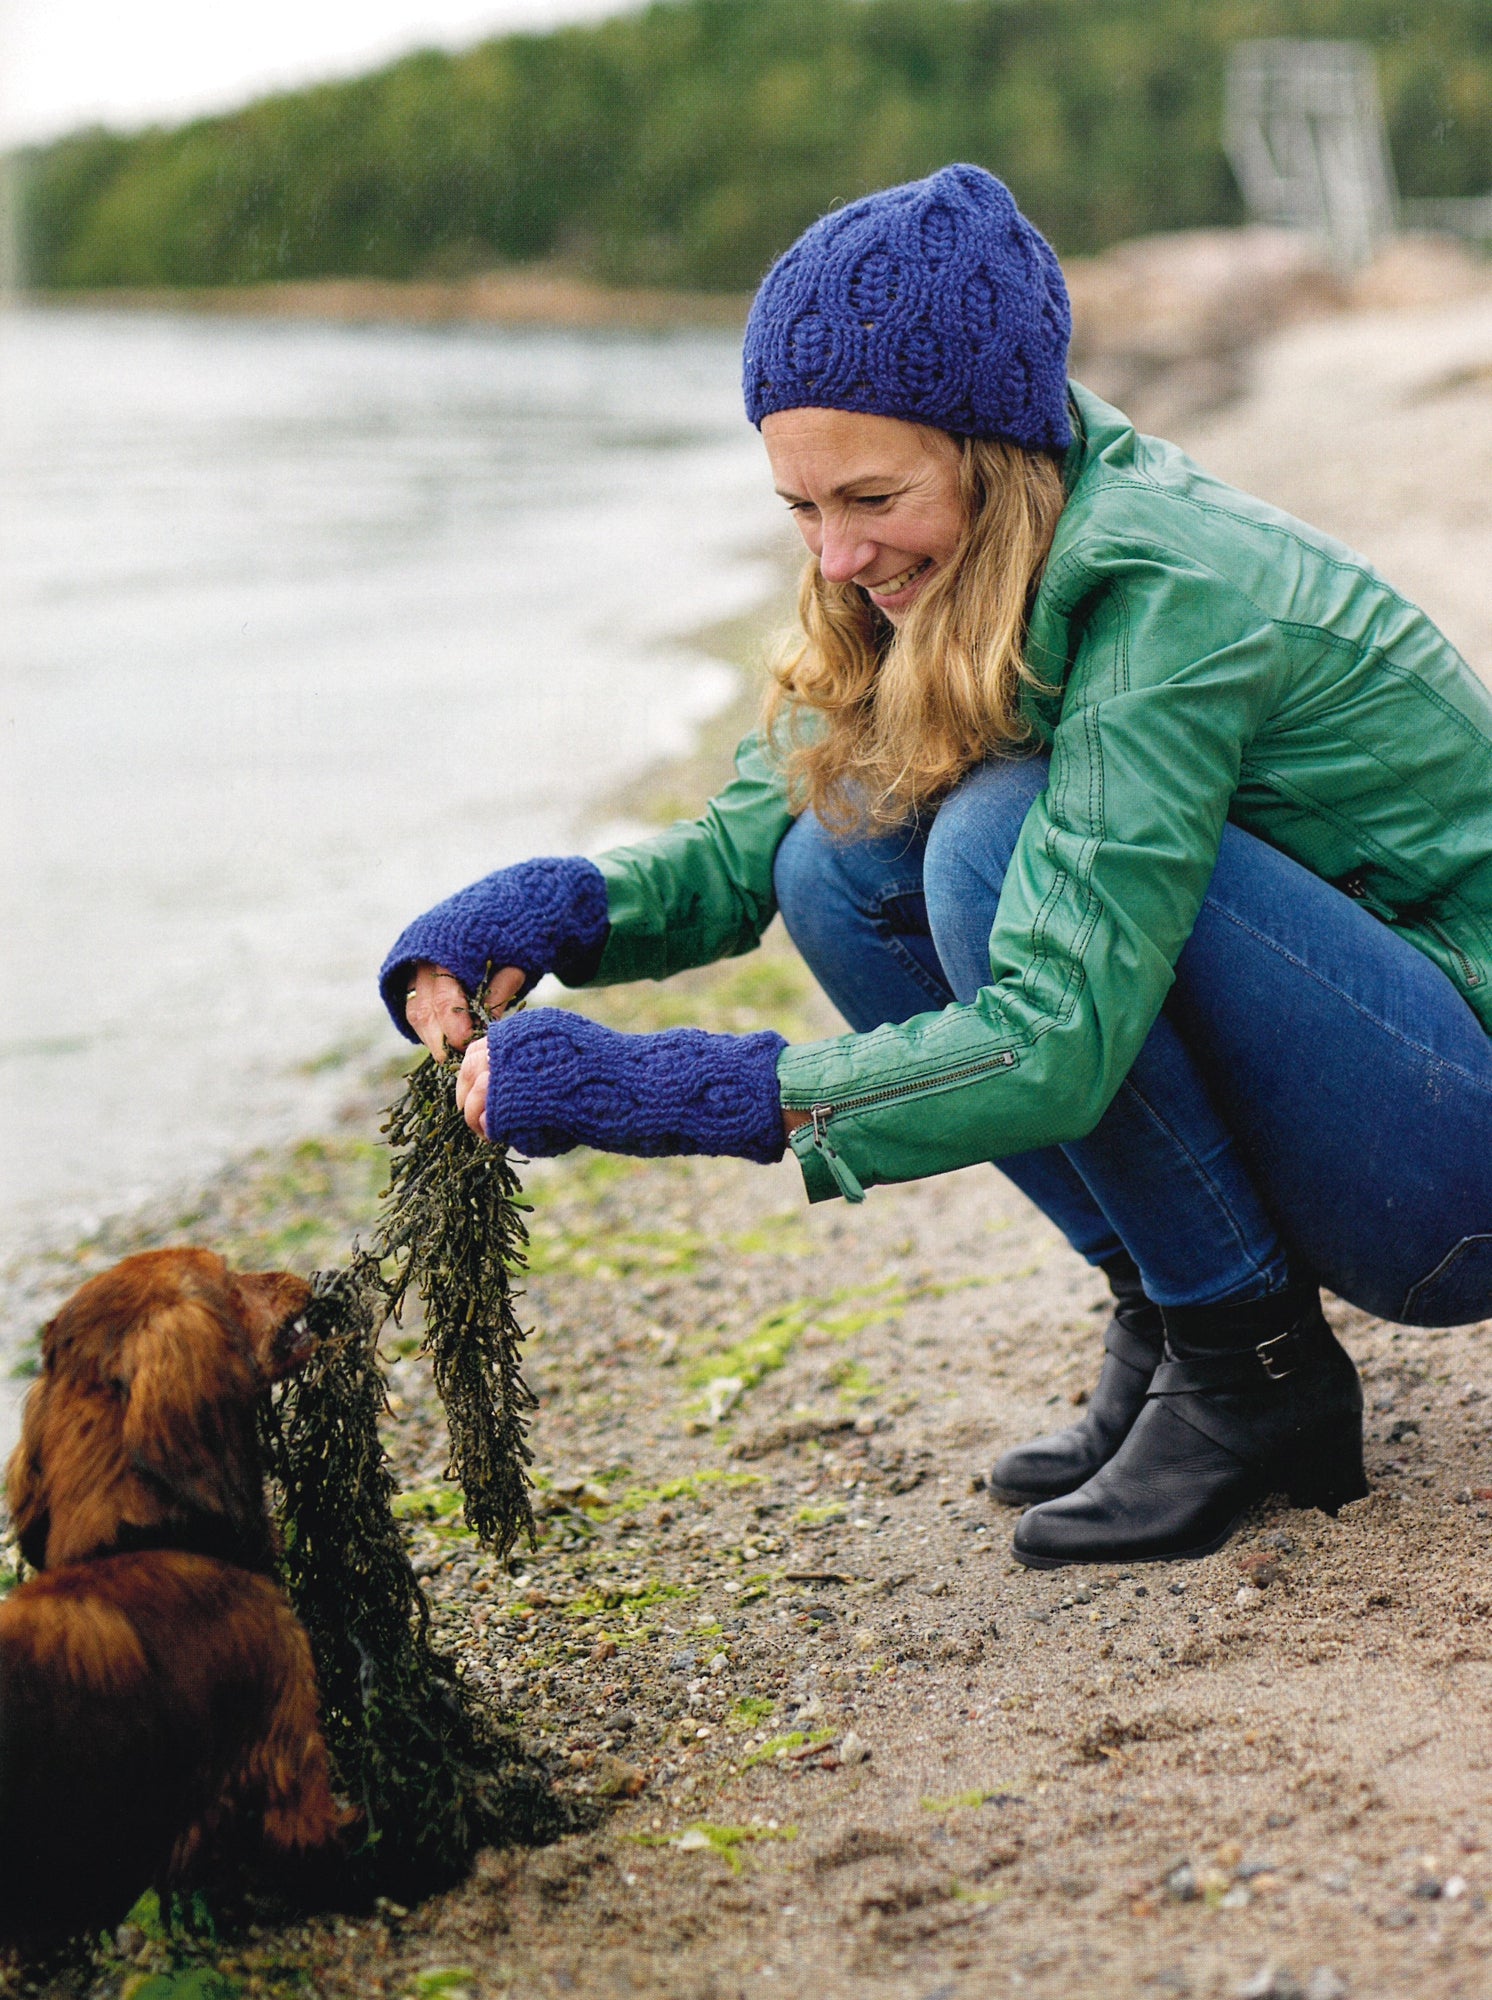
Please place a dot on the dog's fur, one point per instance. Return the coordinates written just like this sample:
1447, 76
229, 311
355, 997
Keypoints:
158, 1709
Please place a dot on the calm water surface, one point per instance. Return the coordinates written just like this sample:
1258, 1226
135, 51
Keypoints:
302, 628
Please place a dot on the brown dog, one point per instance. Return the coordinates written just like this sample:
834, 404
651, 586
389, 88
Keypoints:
158, 1704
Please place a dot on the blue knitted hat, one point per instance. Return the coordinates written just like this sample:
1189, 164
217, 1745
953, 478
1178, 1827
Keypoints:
936, 302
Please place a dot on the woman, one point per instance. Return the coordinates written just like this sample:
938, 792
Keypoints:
1142, 835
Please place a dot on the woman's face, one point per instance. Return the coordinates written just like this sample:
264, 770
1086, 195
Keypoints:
875, 499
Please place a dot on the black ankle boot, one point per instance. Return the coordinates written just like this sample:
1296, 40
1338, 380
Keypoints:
1223, 1425
1058, 1463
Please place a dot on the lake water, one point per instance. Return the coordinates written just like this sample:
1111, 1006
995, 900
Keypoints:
304, 627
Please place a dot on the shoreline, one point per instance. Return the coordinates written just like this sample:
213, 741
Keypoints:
528, 298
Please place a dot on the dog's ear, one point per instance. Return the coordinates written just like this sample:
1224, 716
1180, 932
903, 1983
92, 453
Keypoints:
24, 1490
189, 1381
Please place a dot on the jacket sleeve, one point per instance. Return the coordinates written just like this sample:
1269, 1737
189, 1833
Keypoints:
701, 889
1170, 674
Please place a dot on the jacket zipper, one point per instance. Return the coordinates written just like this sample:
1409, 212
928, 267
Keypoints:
1354, 886
844, 1176
1470, 971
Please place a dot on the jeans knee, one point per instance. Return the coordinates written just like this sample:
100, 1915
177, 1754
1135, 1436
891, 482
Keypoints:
805, 875
968, 851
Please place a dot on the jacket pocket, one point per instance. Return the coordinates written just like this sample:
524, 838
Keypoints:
1458, 1290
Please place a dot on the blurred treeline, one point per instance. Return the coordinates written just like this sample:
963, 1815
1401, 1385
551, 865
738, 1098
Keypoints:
687, 144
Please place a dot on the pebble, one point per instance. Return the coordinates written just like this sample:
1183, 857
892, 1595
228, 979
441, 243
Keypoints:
1326, 1983
1181, 1884
615, 1778
1248, 1597
853, 1749
719, 1663
1260, 1568
1270, 1983
683, 1661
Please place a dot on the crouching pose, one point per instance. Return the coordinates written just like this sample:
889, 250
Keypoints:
1142, 835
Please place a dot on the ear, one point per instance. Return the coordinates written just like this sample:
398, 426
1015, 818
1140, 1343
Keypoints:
190, 1384
24, 1490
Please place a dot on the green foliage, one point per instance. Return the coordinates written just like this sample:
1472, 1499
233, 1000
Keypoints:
689, 143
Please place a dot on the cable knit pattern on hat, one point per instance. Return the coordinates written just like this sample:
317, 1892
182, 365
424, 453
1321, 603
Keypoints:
936, 302
558, 1080
545, 915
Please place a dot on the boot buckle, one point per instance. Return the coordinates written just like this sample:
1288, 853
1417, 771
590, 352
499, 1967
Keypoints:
1280, 1356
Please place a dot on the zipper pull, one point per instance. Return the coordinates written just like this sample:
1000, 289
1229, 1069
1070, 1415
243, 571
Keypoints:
843, 1174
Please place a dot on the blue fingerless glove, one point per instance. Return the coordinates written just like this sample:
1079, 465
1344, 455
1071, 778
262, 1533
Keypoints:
558, 1080
546, 915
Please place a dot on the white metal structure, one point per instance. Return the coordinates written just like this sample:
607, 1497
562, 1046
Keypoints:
1305, 136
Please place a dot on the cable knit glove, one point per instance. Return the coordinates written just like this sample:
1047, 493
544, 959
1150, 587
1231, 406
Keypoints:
558, 1080
547, 915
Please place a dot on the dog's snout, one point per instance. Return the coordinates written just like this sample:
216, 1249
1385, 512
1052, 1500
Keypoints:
294, 1342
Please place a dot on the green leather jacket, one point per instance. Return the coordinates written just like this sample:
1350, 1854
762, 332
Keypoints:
1210, 659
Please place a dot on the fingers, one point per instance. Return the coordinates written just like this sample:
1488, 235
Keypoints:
435, 1007
503, 989
471, 1087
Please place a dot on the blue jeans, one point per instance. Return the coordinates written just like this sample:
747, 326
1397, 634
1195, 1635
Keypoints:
1314, 1101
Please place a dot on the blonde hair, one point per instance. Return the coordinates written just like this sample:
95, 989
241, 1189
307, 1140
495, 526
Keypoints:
875, 722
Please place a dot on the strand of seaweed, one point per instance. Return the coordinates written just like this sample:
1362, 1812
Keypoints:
433, 1770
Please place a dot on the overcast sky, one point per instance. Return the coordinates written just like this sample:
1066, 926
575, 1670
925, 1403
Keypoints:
127, 62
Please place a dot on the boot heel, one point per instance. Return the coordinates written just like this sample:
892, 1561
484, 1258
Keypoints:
1329, 1477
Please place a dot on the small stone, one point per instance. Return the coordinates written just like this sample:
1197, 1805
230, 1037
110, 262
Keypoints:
1252, 1869
1405, 1428
718, 1663
1270, 1983
1248, 1597
1177, 1589
1455, 1888
604, 1649
853, 1749
1181, 1884
1236, 1898
1325, 1983
615, 1778
1427, 1889
1260, 1569
683, 1662
1082, 1595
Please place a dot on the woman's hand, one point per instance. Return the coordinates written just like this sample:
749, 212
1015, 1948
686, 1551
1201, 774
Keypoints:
435, 1006
471, 1086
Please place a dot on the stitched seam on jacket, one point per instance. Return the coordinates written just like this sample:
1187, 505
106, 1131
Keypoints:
1085, 917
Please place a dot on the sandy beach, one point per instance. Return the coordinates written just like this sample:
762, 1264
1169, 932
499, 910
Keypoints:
841, 1742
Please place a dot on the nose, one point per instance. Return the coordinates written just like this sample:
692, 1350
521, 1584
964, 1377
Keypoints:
842, 555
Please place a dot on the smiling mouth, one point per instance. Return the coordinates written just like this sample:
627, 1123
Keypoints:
893, 585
